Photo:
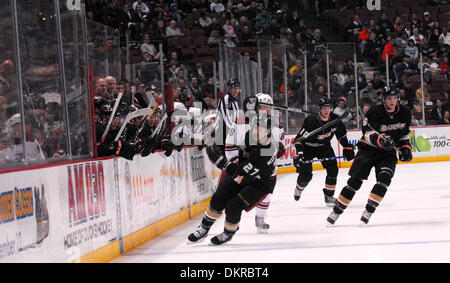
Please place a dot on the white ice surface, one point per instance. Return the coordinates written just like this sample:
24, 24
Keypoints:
412, 224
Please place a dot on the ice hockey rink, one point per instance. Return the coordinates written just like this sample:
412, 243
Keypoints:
412, 224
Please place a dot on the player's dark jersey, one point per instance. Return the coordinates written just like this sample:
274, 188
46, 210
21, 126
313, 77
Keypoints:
324, 137
263, 158
396, 125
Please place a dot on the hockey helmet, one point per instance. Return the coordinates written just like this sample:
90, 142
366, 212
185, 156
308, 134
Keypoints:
324, 101
388, 92
233, 83
264, 98
14, 120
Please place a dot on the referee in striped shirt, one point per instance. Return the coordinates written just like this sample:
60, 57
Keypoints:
228, 108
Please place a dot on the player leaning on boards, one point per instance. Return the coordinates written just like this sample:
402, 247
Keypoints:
385, 127
248, 180
319, 146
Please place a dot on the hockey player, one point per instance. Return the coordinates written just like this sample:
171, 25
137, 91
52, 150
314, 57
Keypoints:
248, 180
278, 137
319, 146
385, 127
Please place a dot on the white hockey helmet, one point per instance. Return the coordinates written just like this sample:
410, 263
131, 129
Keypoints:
264, 98
14, 120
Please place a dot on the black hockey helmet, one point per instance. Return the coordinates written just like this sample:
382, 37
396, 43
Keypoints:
233, 83
387, 91
324, 101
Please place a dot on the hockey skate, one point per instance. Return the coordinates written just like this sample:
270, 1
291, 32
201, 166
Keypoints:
198, 236
222, 238
297, 194
365, 217
333, 217
261, 226
330, 201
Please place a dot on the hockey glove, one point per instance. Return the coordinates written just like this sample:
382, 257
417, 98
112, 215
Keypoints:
382, 141
349, 152
216, 156
298, 159
126, 150
405, 154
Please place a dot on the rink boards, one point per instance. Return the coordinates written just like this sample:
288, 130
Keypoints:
96, 210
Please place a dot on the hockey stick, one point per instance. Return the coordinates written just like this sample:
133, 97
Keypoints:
323, 159
141, 112
326, 126
111, 118
148, 117
297, 110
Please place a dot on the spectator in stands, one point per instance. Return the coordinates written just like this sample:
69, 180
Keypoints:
144, 8
354, 28
173, 59
428, 22
361, 77
214, 38
204, 20
323, 8
246, 37
437, 113
369, 95
340, 110
159, 33
148, 47
385, 23
377, 83
335, 88
317, 37
402, 42
430, 68
363, 113
446, 119
389, 50
228, 29
445, 36
417, 37
426, 95
208, 88
173, 30
216, 7
341, 76
412, 51
228, 41
371, 49
444, 66
171, 73
414, 21
433, 38
175, 13
264, 18
403, 70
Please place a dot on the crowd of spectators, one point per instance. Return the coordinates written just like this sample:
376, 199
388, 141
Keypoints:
403, 33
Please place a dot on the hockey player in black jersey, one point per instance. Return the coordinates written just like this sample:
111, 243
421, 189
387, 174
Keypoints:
385, 128
319, 146
248, 181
